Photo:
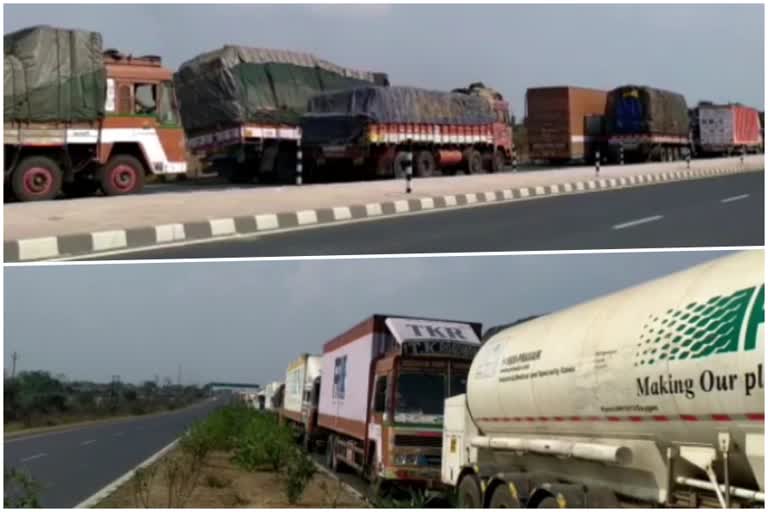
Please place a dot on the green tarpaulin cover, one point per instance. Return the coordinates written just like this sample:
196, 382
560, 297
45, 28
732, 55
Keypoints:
236, 84
53, 74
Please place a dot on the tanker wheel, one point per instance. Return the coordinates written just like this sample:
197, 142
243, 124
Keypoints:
548, 502
502, 498
469, 494
123, 174
424, 164
474, 161
37, 178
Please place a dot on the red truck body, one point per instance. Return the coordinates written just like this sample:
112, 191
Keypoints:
725, 129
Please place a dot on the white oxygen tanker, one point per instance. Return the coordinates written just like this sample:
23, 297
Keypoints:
652, 395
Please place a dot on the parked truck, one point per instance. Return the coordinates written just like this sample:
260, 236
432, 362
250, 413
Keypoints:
646, 124
652, 396
241, 107
723, 130
376, 129
300, 396
564, 124
267, 395
79, 119
380, 396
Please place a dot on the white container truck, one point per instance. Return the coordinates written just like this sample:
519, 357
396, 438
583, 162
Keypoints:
300, 398
650, 396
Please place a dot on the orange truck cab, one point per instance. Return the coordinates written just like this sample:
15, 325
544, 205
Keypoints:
140, 135
383, 386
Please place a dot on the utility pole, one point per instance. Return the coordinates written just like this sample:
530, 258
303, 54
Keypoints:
178, 377
14, 358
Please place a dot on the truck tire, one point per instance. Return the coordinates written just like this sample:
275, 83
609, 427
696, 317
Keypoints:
123, 174
37, 178
424, 164
503, 498
474, 161
469, 494
330, 454
548, 502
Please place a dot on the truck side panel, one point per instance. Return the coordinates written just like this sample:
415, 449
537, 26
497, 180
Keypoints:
344, 390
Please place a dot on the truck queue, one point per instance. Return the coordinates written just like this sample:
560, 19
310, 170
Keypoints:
94, 120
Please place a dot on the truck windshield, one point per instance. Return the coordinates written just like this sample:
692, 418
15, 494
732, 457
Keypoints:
420, 393
167, 112
424, 393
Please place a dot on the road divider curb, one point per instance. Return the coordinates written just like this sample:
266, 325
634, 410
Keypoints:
115, 484
150, 237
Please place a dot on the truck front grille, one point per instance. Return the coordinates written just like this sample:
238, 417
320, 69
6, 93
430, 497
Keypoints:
418, 441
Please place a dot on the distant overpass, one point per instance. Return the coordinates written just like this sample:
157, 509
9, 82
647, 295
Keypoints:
232, 386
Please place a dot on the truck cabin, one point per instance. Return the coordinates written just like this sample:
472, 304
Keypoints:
141, 87
423, 363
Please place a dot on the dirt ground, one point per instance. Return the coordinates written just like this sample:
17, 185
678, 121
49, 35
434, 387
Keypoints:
224, 485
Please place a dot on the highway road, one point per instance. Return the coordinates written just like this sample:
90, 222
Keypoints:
723, 211
73, 464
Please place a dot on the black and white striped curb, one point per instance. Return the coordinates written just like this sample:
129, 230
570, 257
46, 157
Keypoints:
82, 244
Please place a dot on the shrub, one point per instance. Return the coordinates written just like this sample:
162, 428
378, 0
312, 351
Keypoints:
20, 490
297, 472
264, 443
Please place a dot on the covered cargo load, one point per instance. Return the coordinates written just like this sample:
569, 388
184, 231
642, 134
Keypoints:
53, 75
564, 123
235, 85
633, 110
405, 105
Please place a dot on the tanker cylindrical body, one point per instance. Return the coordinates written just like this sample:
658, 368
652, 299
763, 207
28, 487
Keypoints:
675, 363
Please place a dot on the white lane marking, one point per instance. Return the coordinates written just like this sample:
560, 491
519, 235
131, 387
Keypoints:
85, 443
734, 198
33, 457
637, 222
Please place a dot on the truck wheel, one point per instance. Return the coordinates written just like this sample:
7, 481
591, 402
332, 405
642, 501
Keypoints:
424, 164
123, 174
502, 498
37, 178
469, 494
330, 454
474, 161
548, 502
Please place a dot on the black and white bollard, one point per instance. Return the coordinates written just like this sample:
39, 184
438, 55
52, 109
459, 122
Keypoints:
408, 171
514, 160
688, 160
621, 155
597, 162
743, 151
299, 167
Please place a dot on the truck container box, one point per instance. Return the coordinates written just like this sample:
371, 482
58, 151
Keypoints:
564, 123
299, 378
726, 127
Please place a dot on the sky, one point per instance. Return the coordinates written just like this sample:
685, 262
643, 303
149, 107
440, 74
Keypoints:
707, 52
244, 321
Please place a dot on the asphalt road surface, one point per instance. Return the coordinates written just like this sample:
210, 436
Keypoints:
71, 465
724, 211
